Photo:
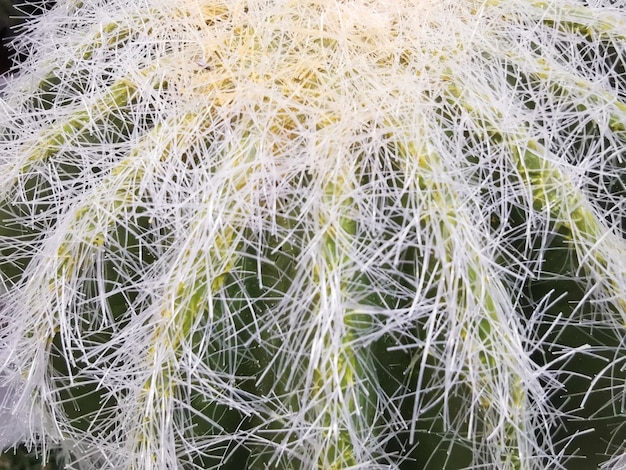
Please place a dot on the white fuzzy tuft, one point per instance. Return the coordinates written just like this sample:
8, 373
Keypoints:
315, 234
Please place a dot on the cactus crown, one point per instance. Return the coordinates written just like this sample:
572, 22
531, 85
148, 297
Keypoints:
314, 234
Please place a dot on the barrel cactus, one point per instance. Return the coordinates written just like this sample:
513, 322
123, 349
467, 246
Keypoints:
317, 234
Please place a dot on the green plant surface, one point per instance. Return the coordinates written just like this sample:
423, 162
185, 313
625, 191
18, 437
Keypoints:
319, 234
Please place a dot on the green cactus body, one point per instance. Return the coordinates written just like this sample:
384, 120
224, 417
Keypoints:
323, 234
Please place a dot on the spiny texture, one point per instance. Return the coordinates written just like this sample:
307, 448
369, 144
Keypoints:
317, 234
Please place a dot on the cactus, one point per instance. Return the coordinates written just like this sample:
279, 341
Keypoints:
318, 234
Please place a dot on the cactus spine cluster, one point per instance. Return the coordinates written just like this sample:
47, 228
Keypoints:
317, 234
